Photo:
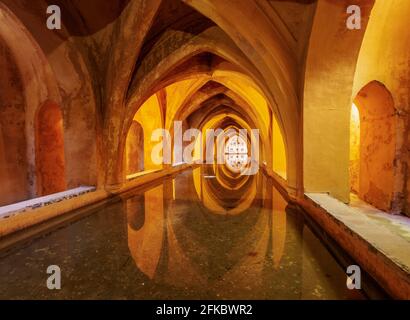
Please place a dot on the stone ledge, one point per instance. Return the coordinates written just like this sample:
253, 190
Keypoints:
16, 208
383, 254
33, 215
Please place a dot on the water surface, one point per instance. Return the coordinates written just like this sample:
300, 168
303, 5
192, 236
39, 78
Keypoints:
203, 234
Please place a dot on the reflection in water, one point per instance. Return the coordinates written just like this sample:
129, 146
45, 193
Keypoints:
143, 239
224, 237
198, 242
236, 162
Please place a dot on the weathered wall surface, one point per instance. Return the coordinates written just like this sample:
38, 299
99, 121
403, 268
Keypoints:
377, 146
149, 116
99, 80
135, 149
50, 150
384, 57
13, 164
59, 72
330, 67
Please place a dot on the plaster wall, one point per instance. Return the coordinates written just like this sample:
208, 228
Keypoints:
149, 116
384, 57
135, 149
279, 151
377, 146
50, 160
330, 67
13, 164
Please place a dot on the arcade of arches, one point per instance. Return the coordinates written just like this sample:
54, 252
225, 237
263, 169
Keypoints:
78, 106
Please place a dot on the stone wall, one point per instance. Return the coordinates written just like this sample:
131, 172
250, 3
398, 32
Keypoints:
13, 164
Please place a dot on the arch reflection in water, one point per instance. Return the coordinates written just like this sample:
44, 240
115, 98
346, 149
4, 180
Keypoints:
236, 161
187, 237
202, 239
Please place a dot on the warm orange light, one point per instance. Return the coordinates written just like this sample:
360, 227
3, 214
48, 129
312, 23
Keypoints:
149, 116
279, 151
354, 148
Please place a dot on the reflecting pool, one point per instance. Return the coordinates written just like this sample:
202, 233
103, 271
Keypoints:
206, 233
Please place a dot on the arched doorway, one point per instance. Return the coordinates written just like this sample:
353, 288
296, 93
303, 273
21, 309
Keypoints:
373, 146
50, 150
149, 118
135, 149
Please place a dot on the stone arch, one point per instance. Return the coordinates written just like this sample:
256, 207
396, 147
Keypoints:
273, 63
53, 62
215, 41
220, 76
36, 77
275, 73
225, 117
331, 62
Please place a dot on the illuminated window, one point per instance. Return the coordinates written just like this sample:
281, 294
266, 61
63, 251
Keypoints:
236, 153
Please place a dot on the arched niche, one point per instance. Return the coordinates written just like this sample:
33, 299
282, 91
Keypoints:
135, 149
50, 160
149, 115
373, 170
